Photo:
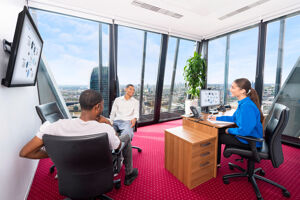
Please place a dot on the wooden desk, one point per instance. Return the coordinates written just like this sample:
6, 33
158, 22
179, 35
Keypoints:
191, 151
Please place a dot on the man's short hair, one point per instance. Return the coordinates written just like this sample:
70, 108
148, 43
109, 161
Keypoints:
128, 85
89, 98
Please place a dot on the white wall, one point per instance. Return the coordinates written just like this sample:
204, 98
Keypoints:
18, 119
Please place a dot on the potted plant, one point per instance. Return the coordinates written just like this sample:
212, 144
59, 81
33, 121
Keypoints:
195, 77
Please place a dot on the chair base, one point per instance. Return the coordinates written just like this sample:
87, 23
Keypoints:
102, 197
251, 178
52, 168
138, 148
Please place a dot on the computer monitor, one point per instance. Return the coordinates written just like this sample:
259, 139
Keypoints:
25, 53
210, 98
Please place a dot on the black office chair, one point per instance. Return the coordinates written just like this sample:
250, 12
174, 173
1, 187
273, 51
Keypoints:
135, 147
271, 150
84, 165
49, 112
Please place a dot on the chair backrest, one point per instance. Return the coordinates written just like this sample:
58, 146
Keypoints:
49, 112
274, 129
83, 163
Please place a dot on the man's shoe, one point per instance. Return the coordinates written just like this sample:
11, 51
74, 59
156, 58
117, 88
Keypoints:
130, 178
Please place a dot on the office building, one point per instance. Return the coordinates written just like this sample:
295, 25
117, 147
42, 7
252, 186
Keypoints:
94, 84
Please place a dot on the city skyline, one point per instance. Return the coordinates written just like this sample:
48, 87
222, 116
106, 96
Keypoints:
71, 48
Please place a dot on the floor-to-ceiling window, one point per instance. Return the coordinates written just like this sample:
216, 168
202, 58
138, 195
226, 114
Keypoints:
130, 53
71, 50
216, 64
242, 58
170, 71
174, 91
150, 75
291, 47
270, 65
138, 59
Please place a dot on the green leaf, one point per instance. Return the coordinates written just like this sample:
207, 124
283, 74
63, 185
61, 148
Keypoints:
195, 74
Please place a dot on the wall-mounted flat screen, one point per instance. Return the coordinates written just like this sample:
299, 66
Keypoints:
25, 54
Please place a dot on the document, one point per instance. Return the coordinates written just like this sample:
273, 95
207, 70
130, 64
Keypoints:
219, 122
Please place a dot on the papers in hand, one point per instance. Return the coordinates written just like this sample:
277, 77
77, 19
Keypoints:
219, 122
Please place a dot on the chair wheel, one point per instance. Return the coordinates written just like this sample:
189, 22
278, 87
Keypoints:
225, 181
286, 193
262, 173
139, 150
118, 185
52, 169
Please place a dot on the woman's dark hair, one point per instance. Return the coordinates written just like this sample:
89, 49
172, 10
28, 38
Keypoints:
245, 84
89, 98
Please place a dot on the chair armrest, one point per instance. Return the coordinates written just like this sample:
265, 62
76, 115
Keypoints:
252, 143
118, 151
250, 138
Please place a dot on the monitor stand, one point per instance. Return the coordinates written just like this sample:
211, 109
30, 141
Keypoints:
205, 110
209, 110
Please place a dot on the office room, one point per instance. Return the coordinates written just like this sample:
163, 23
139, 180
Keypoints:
149, 99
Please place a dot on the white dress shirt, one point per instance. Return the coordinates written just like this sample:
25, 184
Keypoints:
78, 127
125, 110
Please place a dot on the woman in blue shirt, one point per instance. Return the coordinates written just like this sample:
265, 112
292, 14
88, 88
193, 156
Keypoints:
248, 116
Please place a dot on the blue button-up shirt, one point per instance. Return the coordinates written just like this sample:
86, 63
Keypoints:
247, 118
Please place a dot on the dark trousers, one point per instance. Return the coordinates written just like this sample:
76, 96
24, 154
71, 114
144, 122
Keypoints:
127, 153
230, 141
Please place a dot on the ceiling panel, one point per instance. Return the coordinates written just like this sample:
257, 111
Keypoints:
200, 17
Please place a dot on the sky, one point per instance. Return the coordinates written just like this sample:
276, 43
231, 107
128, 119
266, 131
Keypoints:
71, 47
243, 53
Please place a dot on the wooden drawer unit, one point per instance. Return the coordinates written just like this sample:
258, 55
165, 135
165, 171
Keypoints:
190, 155
203, 146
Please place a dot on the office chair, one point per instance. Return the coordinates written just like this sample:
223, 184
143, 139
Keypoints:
84, 165
49, 112
135, 147
271, 150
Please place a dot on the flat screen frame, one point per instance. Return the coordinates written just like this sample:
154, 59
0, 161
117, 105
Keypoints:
209, 105
15, 48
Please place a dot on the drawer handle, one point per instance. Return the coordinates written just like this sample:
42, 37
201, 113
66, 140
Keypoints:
204, 145
204, 154
204, 164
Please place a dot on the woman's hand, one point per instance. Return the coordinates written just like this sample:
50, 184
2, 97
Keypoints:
226, 131
212, 117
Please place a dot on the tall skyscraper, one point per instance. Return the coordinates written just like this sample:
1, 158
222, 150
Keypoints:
94, 84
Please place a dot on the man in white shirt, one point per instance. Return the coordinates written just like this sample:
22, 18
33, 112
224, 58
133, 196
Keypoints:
125, 112
91, 103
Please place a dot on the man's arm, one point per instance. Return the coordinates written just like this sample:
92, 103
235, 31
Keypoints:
113, 110
135, 114
102, 119
33, 149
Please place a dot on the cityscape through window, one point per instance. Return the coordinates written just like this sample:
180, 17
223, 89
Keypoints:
71, 49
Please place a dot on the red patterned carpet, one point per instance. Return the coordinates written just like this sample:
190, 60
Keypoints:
155, 182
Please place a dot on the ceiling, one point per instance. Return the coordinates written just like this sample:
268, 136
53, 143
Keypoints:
200, 18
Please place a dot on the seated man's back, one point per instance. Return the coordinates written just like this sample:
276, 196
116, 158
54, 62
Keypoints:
78, 127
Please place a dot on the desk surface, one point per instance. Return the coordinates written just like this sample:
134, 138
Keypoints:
206, 122
189, 134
